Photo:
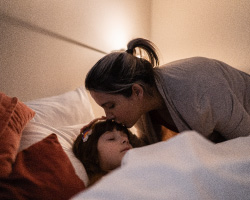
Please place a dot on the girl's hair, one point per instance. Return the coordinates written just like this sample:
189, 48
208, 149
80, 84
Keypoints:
87, 151
116, 72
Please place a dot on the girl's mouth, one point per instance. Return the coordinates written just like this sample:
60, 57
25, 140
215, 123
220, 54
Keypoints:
126, 149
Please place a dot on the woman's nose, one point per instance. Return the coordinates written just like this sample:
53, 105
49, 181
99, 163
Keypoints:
109, 115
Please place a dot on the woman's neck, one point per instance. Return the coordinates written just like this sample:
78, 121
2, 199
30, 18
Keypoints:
155, 101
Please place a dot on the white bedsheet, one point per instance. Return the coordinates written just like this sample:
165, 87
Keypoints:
184, 167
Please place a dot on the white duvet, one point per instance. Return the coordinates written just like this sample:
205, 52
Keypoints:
185, 167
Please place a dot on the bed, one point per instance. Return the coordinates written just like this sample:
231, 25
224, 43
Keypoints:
37, 161
36, 138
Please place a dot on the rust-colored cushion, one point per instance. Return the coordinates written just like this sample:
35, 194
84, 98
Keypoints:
14, 115
42, 171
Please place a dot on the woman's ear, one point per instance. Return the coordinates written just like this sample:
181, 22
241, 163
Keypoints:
137, 90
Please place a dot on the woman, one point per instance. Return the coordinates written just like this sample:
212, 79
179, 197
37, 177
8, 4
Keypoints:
197, 93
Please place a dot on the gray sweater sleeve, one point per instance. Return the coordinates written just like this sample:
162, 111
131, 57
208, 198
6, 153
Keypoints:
221, 111
204, 95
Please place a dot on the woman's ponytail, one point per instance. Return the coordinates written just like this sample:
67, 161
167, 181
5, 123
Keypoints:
148, 46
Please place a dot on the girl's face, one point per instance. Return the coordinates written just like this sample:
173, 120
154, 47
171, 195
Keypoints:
124, 110
112, 146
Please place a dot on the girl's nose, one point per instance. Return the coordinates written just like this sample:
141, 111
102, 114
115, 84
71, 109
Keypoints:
124, 139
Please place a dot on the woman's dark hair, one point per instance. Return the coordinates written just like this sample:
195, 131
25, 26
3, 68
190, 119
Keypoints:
87, 151
116, 72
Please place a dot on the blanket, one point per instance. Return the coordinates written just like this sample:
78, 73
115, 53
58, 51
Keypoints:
188, 166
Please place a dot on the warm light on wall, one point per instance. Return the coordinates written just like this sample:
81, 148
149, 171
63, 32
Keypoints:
119, 41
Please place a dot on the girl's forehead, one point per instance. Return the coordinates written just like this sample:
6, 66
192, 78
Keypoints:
107, 134
110, 132
113, 132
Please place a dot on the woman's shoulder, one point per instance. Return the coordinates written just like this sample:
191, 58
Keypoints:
193, 67
190, 74
188, 62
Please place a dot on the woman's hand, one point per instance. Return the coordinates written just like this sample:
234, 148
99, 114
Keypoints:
88, 126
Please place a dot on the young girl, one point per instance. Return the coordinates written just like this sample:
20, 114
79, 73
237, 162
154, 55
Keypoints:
101, 146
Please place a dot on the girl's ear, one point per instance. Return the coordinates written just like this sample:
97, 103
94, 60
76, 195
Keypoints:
137, 90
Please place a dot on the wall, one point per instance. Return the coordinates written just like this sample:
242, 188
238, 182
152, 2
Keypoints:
215, 28
35, 64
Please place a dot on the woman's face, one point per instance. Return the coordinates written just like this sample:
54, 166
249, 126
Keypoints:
112, 146
124, 110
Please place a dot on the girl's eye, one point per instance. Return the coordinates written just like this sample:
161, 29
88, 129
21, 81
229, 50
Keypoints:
111, 139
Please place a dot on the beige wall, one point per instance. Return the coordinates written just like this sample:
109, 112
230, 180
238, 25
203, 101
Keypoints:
214, 28
34, 65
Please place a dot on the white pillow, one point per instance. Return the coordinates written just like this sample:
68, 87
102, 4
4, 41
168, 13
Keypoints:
63, 115
70, 108
35, 132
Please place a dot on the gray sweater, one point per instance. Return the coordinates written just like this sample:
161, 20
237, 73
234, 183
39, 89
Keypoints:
204, 95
